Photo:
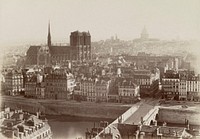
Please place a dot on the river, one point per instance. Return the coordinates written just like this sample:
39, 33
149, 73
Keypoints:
69, 127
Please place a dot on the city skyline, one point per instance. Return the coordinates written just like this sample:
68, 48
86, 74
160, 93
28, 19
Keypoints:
26, 22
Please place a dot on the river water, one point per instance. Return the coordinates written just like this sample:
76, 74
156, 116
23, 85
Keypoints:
71, 127
69, 130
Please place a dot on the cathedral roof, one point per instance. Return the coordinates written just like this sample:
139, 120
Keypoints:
33, 49
54, 50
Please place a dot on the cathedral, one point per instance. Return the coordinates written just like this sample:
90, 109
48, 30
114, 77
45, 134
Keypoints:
47, 55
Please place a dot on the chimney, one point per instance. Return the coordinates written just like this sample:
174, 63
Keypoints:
155, 123
188, 125
37, 115
25, 133
109, 130
164, 123
139, 128
157, 131
142, 121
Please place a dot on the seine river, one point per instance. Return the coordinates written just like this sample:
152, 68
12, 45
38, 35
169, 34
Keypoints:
70, 127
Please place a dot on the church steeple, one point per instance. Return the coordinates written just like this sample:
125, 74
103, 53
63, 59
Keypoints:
49, 36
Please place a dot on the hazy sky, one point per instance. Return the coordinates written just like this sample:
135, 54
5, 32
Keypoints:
26, 21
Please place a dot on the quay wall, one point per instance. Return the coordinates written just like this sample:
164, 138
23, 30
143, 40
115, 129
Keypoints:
71, 108
178, 116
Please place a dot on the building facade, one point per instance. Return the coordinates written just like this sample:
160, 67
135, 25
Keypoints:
148, 81
30, 86
102, 88
170, 84
13, 83
181, 86
34, 86
193, 88
56, 86
128, 91
87, 88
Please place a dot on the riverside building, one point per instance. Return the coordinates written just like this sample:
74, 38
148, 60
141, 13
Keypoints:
21, 125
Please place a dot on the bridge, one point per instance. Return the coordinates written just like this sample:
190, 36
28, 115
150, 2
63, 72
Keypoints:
140, 113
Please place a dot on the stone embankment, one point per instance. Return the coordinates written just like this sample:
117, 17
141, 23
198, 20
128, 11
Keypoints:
64, 107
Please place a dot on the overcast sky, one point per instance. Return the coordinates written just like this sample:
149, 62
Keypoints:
26, 21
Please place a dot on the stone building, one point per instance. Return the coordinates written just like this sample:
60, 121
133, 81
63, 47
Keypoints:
102, 88
34, 85
170, 83
30, 86
148, 81
56, 86
193, 87
181, 86
79, 50
128, 91
13, 83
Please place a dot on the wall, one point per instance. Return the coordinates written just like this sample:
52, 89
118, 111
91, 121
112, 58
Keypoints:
63, 107
178, 116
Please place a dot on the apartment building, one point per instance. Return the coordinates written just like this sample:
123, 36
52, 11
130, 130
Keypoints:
170, 84
13, 82
128, 91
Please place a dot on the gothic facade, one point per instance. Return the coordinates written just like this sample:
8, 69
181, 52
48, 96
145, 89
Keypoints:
79, 50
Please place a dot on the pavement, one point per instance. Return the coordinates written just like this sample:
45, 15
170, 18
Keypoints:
144, 108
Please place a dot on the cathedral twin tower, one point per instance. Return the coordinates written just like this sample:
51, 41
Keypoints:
79, 51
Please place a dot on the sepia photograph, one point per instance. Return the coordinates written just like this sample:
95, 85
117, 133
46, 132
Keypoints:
99, 69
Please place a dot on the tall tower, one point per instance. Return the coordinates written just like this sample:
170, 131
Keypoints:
81, 41
49, 36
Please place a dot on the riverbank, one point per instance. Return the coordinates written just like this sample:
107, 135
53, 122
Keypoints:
66, 108
64, 118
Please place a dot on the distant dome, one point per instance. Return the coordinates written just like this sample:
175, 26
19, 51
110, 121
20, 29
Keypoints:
144, 34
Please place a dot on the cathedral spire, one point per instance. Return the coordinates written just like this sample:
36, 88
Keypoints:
49, 36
